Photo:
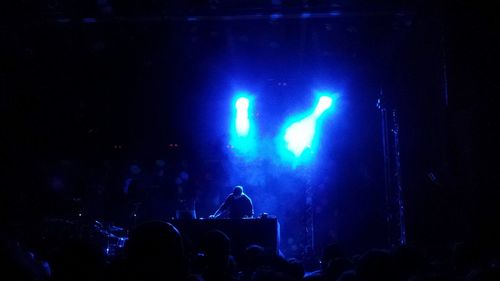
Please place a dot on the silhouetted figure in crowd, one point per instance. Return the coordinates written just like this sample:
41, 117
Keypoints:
466, 258
257, 264
219, 264
236, 206
296, 269
19, 264
408, 263
253, 258
375, 265
78, 259
349, 275
487, 274
329, 254
154, 251
274, 267
336, 267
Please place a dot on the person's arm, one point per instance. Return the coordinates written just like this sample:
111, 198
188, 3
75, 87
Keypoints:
218, 213
223, 208
250, 208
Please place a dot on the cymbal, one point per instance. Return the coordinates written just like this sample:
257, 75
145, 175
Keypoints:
115, 228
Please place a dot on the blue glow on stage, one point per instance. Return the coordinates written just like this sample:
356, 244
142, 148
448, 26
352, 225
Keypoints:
324, 103
301, 132
242, 127
242, 121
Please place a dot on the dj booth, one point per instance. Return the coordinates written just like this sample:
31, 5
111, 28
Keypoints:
264, 232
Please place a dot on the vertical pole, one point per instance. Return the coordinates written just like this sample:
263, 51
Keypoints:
399, 186
387, 167
444, 68
309, 243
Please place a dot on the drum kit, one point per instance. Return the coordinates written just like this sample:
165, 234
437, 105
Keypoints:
114, 237
109, 237
55, 231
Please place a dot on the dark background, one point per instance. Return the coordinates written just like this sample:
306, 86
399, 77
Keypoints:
111, 83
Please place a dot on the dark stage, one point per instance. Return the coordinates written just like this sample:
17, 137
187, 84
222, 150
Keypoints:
348, 123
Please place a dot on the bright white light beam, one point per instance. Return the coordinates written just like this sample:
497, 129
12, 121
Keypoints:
300, 134
242, 121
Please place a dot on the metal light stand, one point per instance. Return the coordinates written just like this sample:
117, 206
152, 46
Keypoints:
395, 217
397, 175
387, 168
309, 220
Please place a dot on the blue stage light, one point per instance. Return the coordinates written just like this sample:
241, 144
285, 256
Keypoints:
301, 132
324, 103
242, 121
299, 135
242, 127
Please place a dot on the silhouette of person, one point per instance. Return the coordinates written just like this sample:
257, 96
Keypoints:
154, 251
236, 206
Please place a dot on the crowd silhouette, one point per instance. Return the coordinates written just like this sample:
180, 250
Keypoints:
156, 250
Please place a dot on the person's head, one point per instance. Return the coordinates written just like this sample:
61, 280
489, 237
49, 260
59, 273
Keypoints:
253, 257
216, 243
155, 247
217, 248
331, 252
375, 265
238, 190
296, 269
77, 259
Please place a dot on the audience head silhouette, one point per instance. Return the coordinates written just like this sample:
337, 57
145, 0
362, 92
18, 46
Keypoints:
155, 251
